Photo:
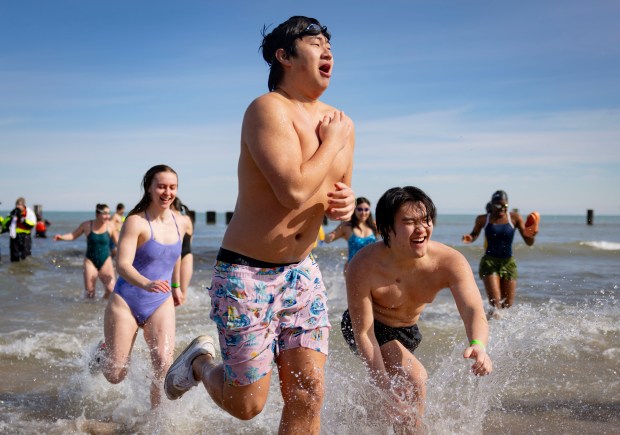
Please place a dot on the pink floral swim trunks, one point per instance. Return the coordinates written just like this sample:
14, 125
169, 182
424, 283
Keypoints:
261, 311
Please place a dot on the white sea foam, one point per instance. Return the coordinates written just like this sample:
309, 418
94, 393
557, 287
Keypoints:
602, 245
555, 352
23, 344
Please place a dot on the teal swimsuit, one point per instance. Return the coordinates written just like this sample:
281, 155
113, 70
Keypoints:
97, 247
356, 243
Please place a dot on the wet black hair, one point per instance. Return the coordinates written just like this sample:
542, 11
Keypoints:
178, 205
285, 36
100, 208
390, 203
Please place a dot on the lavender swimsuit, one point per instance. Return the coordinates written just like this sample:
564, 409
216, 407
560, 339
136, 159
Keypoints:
154, 261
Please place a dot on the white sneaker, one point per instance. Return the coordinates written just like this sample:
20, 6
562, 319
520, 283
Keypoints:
96, 361
180, 378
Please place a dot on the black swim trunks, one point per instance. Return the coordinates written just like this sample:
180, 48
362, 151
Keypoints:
408, 336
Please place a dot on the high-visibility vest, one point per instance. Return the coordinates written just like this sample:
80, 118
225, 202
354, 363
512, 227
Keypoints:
25, 225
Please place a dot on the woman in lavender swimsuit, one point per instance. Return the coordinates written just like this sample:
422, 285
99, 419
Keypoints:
149, 253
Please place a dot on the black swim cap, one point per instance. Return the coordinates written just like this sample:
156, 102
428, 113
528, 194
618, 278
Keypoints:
499, 196
100, 208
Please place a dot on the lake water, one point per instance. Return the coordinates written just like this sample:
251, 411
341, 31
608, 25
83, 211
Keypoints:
556, 352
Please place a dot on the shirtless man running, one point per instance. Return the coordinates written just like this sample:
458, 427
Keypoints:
388, 285
268, 299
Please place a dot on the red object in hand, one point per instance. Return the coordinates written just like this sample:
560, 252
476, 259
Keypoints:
531, 224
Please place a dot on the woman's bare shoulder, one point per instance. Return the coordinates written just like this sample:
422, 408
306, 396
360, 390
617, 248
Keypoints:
134, 221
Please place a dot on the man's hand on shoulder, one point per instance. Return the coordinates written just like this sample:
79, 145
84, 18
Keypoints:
341, 203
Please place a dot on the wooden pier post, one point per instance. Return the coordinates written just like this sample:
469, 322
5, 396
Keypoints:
211, 218
590, 217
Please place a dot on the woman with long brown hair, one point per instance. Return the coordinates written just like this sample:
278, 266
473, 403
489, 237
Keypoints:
149, 251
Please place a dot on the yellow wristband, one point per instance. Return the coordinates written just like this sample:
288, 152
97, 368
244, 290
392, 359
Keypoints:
175, 285
471, 343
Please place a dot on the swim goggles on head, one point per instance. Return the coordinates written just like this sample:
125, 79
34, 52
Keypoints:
315, 29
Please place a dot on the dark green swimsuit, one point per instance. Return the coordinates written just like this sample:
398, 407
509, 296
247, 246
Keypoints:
97, 247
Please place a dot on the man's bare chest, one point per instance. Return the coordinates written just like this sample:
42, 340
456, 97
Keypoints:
404, 291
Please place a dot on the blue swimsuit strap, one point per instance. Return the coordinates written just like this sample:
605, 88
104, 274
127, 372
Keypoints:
149, 221
92, 232
175, 224
489, 218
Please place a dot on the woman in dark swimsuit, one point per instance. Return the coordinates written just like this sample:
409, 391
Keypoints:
97, 262
498, 268
182, 212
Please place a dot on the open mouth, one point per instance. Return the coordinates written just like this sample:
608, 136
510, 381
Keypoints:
325, 69
419, 241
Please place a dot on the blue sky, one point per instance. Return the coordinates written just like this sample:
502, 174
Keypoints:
459, 98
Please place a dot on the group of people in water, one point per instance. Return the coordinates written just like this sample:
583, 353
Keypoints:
268, 299
498, 268
102, 235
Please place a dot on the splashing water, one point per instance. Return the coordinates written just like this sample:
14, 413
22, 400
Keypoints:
555, 352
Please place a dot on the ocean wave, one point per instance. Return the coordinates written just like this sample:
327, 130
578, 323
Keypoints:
586, 249
602, 245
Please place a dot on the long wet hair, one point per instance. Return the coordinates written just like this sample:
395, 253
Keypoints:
146, 199
285, 36
355, 222
390, 203
179, 206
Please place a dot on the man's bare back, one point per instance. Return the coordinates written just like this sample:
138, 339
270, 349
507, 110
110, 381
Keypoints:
280, 208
